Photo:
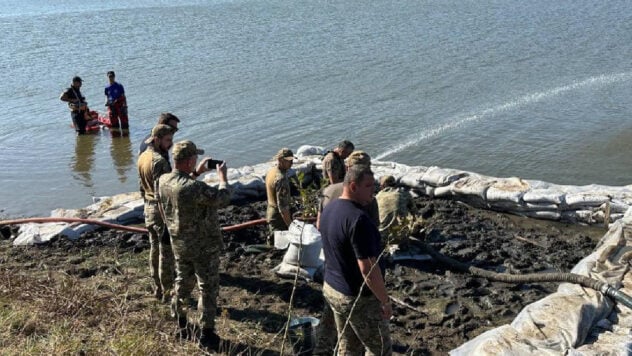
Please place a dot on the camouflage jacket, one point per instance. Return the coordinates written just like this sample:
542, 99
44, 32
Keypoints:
333, 164
394, 203
151, 165
278, 189
190, 209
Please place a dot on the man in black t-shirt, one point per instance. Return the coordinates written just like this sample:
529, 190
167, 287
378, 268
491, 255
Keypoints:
352, 247
77, 105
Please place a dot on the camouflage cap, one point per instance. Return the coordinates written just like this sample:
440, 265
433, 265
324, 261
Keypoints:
159, 131
358, 158
387, 181
185, 149
285, 153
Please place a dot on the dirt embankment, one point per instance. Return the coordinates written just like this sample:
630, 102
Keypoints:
449, 307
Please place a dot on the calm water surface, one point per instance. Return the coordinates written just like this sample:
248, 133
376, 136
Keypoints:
535, 89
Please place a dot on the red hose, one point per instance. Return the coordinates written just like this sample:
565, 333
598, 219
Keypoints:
117, 226
142, 230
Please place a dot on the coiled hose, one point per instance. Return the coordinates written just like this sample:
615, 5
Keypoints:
584, 281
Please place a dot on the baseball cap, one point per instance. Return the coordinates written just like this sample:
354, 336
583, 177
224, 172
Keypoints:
159, 131
357, 158
76, 79
185, 149
286, 154
111, 74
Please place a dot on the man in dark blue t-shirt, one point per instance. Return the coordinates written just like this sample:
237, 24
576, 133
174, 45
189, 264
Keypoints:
352, 247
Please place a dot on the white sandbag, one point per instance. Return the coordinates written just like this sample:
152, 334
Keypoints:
443, 192
412, 180
440, 177
305, 238
545, 215
507, 189
122, 215
545, 196
472, 186
289, 271
542, 206
576, 200
585, 216
307, 150
32, 233
68, 213
616, 206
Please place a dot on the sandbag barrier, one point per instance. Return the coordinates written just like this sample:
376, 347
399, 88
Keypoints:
590, 204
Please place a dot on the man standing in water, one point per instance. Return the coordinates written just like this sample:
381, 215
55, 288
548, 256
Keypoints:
278, 192
77, 104
116, 103
151, 165
352, 247
190, 209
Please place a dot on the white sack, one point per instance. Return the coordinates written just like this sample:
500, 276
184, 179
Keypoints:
307, 150
440, 177
307, 239
507, 189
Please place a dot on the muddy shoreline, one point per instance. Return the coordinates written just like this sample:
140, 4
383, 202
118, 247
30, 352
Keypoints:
449, 307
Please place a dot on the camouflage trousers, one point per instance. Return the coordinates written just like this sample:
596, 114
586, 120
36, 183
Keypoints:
196, 264
275, 221
326, 336
161, 260
366, 333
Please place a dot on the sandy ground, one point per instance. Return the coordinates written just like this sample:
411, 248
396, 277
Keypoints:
445, 308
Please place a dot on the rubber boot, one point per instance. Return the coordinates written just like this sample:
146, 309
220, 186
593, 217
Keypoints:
210, 340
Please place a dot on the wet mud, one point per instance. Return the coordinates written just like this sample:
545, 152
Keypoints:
443, 308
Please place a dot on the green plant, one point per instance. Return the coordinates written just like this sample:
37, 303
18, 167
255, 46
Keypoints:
308, 195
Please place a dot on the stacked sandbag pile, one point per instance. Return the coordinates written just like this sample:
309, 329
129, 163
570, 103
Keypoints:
590, 204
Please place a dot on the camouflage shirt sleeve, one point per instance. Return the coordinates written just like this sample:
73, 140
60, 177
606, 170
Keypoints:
210, 196
327, 164
160, 166
282, 189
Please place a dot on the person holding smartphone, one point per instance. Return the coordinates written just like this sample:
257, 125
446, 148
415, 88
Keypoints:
190, 210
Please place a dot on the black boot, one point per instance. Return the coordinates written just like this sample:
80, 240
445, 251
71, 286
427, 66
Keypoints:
210, 340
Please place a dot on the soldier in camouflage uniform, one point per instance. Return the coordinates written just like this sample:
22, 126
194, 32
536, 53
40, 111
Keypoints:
191, 216
278, 192
153, 163
334, 162
394, 205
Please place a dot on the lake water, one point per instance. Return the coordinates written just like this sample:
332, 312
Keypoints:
536, 89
